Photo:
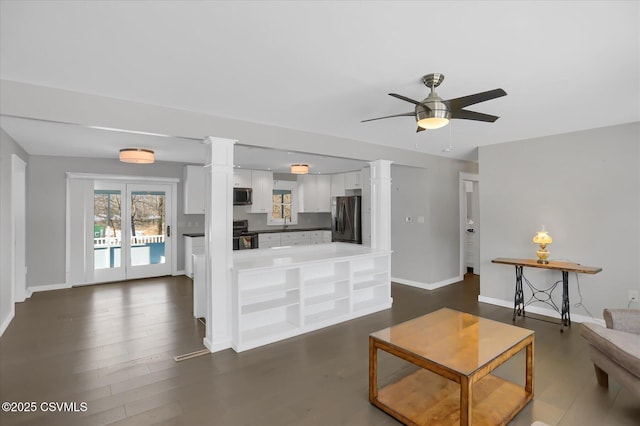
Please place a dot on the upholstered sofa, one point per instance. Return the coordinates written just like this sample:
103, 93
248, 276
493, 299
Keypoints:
615, 350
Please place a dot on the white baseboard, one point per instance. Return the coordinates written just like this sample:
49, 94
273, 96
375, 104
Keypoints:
540, 311
182, 272
7, 320
217, 345
47, 287
427, 286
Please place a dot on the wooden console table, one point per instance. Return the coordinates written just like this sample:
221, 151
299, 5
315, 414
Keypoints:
544, 295
454, 386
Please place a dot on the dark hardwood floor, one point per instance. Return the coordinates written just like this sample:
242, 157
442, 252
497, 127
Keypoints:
111, 346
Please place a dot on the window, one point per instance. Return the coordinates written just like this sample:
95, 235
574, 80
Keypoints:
284, 203
281, 204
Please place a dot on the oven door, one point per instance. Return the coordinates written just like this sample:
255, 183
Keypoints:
245, 242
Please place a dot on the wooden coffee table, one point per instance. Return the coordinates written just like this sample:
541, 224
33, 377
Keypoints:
456, 352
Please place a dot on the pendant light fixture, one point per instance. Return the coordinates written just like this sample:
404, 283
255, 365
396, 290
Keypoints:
137, 156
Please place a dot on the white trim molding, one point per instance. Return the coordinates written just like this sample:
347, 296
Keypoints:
427, 286
539, 311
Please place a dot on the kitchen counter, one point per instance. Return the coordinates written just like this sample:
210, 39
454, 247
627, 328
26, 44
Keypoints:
290, 256
280, 230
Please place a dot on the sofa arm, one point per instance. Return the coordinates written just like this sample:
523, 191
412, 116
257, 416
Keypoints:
623, 319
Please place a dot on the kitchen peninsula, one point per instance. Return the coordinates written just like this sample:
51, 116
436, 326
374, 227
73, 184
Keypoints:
278, 293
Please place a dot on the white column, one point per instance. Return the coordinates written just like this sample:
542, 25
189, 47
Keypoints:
381, 204
218, 221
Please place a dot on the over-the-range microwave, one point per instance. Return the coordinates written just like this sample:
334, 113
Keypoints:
242, 196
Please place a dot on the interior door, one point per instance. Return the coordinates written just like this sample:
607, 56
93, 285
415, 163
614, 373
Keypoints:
108, 229
131, 230
149, 252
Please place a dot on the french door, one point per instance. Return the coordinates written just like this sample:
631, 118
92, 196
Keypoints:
131, 230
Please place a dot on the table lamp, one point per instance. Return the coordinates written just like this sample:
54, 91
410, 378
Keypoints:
543, 239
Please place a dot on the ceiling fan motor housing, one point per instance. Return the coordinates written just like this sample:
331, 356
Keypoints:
436, 108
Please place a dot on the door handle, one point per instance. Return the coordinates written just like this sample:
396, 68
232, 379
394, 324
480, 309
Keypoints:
168, 231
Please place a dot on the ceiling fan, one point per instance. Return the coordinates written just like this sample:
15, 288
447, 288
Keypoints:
433, 112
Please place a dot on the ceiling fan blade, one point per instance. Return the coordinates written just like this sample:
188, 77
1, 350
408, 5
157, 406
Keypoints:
465, 101
472, 115
420, 129
413, 101
405, 114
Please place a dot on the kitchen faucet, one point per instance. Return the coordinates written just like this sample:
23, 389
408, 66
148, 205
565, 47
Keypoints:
284, 226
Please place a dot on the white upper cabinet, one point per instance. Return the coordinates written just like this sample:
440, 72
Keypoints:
193, 189
353, 180
242, 178
337, 185
262, 184
314, 192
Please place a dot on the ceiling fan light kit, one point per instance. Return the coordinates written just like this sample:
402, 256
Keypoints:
433, 112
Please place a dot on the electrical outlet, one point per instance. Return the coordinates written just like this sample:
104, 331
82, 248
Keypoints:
633, 296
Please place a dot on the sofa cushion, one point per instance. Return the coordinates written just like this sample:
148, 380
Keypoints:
620, 346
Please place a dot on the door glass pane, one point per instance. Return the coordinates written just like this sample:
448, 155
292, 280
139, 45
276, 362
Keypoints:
147, 227
107, 229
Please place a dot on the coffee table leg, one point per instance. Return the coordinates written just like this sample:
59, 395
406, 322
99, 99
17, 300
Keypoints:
373, 370
529, 381
466, 396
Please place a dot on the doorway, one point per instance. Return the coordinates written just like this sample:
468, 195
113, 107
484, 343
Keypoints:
469, 224
131, 230
119, 227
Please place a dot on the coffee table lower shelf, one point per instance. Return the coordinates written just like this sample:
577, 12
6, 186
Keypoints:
425, 398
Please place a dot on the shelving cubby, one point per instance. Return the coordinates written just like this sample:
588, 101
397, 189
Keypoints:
268, 305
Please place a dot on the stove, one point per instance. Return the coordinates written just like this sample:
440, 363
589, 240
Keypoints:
244, 239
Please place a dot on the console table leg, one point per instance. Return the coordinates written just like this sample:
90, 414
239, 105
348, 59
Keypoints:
565, 316
518, 302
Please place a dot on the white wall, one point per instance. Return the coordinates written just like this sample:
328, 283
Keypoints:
426, 255
585, 187
46, 210
8, 147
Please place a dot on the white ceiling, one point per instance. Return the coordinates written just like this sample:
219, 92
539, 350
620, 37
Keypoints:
323, 66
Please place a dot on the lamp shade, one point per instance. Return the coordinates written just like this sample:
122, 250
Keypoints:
542, 237
299, 169
137, 156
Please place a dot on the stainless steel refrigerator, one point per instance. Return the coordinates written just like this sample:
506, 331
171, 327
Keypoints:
346, 220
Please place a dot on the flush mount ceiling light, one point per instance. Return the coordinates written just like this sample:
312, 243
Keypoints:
299, 169
137, 156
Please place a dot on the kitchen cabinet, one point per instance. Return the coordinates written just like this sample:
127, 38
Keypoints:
193, 189
269, 240
337, 185
320, 237
353, 180
297, 290
262, 184
242, 178
314, 193
192, 245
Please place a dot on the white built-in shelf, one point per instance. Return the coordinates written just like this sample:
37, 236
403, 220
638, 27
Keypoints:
291, 298
368, 284
266, 290
290, 291
277, 328
338, 311
326, 297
